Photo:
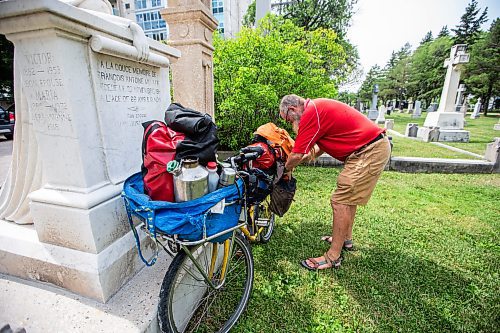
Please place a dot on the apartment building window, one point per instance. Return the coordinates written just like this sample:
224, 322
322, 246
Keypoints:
218, 11
150, 20
155, 3
140, 4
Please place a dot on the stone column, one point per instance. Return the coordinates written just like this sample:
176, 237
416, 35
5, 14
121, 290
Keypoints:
191, 26
450, 122
84, 91
373, 112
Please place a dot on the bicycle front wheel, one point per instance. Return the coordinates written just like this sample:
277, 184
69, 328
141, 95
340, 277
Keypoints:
189, 304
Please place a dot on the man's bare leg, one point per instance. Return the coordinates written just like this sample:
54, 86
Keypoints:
348, 236
341, 222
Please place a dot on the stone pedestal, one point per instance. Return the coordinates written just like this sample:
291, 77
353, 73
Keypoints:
450, 125
191, 25
83, 91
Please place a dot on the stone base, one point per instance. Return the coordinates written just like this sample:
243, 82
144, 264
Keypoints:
96, 276
372, 114
454, 135
496, 127
428, 134
445, 120
40, 307
416, 115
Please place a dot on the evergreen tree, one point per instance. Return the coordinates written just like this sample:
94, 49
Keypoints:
427, 38
482, 73
444, 32
373, 77
470, 24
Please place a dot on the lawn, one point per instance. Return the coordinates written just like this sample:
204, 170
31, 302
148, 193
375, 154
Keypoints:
428, 259
481, 133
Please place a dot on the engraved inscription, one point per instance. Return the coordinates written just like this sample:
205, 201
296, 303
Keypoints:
129, 87
43, 86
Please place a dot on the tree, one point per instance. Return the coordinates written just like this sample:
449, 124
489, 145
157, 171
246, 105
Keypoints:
254, 70
482, 73
470, 24
444, 32
373, 77
249, 17
313, 14
427, 38
426, 72
396, 75
6, 68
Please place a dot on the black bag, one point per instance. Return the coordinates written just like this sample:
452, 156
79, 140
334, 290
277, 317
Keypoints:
282, 196
201, 133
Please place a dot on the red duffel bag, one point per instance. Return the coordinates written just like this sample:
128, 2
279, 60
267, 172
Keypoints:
158, 148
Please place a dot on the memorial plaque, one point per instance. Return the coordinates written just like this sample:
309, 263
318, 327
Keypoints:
127, 94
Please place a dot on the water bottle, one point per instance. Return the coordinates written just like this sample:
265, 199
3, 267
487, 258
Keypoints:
213, 177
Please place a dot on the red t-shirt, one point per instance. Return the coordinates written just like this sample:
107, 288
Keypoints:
335, 127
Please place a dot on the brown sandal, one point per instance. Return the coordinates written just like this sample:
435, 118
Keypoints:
333, 263
347, 246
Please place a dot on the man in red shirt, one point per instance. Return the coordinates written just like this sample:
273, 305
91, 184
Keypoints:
326, 125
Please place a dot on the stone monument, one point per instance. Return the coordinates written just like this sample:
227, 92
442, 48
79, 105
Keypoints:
460, 97
451, 123
191, 26
389, 124
84, 83
381, 115
410, 107
411, 130
477, 109
373, 111
417, 113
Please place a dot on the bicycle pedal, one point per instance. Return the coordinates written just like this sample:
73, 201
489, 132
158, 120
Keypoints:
262, 223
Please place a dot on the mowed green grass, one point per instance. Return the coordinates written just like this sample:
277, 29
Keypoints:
481, 133
428, 259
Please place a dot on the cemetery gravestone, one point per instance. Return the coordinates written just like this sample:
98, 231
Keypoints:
373, 112
451, 123
411, 130
381, 115
418, 111
477, 109
389, 124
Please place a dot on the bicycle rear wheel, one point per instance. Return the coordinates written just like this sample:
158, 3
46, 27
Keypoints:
188, 304
263, 217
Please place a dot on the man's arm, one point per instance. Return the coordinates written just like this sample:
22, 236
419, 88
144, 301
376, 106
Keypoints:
293, 160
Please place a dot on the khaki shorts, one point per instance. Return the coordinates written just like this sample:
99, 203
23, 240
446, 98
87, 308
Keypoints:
357, 180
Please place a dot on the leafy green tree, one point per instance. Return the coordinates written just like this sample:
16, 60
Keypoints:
6, 68
426, 72
444, 32
482, 73
254, 70
470, 24
427, 38
249, 17
313, 14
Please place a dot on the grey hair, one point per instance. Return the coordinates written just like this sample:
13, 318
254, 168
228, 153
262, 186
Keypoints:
290, 100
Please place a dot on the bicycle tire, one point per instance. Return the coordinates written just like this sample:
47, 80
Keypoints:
262, 211
172, 309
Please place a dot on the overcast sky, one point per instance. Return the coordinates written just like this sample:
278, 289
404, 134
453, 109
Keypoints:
382, 26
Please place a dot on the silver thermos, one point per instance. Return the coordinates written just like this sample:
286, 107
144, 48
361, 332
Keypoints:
227, 176
190, 179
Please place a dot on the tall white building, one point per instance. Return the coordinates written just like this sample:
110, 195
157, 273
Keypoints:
146, 13
229, 14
